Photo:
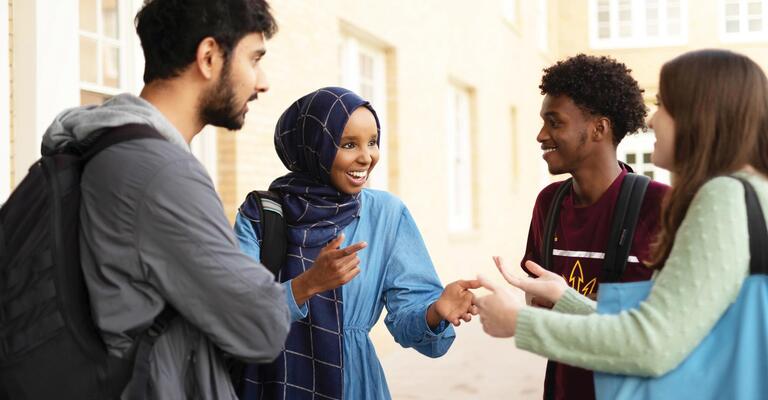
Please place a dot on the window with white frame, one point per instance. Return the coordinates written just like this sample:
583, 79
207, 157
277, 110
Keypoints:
363, 70
459, 145
637, 23
744, 20
637, 151
102, 49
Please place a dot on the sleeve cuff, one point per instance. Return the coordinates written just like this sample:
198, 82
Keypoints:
524, 332
439, 329
574, 303
296, 312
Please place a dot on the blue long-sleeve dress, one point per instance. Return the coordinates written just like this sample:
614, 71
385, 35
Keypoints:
396, 273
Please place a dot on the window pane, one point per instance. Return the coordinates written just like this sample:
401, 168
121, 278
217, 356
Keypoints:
88, 61
755, 25
673, 28
88, 15
109, 14
366, 66
732, 10
673, 11
603, 32
603, 19
631, 158
755, 8
732, 26
646, 158
652, 18
87, 97
648, 174
111, 66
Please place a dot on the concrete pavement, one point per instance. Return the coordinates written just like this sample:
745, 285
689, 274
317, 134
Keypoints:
476, 367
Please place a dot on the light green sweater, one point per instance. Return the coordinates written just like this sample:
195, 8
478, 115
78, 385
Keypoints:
700, 280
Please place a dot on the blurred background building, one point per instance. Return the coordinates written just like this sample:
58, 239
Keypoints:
455, 84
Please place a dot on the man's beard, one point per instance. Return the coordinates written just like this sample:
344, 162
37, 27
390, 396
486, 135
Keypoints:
219, 106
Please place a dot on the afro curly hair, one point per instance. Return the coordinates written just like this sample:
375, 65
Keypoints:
599, 86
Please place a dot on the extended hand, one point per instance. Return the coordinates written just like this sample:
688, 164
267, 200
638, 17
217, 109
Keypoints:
454, 304
543, 291
332, 268
498, 311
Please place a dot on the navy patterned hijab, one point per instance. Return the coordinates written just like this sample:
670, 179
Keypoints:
307, 137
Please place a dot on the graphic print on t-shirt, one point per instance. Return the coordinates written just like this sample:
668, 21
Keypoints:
576, 262
576, 280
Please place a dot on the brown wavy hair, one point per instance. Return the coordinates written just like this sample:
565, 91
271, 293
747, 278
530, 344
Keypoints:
718, 100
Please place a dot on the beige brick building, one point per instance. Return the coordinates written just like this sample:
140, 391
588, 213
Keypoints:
455, 83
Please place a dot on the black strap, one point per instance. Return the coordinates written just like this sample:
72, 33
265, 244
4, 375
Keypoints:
138, 386
271, 229
550, 223
620, 241
758, 234
623, 225
117, 135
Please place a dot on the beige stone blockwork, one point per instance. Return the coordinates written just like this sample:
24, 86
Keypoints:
429, 45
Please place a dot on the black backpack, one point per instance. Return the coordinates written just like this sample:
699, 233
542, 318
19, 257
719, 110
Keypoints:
623, 224
49, 346
271, 229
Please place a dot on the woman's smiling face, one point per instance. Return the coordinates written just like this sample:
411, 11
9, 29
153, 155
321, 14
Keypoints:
357, 154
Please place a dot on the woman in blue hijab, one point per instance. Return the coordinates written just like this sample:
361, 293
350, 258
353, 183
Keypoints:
351, 252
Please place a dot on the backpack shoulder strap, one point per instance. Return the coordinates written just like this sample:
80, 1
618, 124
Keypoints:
758, 234
623, 225
550, 224
117, 135
270, 228
139, 382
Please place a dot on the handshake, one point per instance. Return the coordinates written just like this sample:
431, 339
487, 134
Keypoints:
498, 310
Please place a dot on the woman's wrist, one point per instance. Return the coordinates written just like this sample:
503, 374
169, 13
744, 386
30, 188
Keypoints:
433, 317
302, 291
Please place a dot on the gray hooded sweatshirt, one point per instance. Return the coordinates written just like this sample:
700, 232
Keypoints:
153, 232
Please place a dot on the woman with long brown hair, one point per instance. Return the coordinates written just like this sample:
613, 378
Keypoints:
711, 131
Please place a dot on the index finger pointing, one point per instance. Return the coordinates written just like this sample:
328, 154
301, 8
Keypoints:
352, 249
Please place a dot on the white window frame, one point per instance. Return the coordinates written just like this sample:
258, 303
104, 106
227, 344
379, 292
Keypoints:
639, 144
351, 49
205, 148
126, 38
459, 159
743, 35
638, 38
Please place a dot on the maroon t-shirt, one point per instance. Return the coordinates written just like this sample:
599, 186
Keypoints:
578, 250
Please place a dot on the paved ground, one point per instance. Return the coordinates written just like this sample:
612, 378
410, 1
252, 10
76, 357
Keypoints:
476, 367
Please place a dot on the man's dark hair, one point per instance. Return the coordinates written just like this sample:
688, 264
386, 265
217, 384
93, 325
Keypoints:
171, 30
599, 86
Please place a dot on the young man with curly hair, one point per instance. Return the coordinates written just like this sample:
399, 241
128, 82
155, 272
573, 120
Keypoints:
590, 104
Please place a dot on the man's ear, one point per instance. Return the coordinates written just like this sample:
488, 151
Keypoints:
208, 58
602, 129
